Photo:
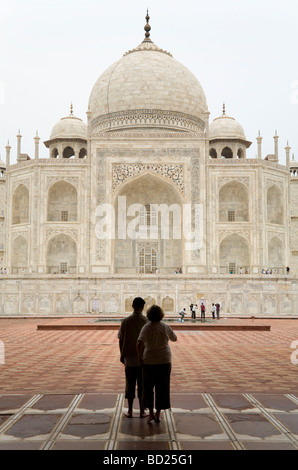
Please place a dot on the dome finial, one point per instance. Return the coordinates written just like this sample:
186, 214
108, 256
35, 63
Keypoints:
147, 27
71, 109
224, 109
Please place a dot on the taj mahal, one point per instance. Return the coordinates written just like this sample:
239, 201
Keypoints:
148, 147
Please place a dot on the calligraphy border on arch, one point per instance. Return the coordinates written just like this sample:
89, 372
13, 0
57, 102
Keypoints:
51, 180
122, 172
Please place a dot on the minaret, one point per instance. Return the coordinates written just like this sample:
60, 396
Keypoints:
19, 139
259, 140
37, 139
276, 137
288, 151
8, 148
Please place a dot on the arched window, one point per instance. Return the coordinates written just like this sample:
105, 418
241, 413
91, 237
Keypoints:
62, 255
55, 153
274, 206
240, 153
227, 153
62, 203
213, 153
83, 153
68, 152
20, 205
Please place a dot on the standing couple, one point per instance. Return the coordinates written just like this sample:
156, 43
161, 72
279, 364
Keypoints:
145, 352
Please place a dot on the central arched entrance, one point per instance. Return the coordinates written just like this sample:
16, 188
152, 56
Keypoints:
148, 212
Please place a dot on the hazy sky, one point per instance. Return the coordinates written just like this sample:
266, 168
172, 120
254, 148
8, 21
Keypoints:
243, 53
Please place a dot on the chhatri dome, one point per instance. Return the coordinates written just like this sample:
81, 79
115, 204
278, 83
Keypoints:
69, 127
226, 127
145, 81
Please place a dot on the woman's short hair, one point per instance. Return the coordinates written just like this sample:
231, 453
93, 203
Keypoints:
155, 313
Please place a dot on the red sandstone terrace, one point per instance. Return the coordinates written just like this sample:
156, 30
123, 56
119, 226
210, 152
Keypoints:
63, 389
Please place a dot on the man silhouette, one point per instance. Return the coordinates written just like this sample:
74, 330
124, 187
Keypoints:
128, 334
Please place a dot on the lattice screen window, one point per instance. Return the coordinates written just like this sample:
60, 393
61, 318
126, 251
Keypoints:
231, 216
63, 268
232, 268
147, 260
64, 216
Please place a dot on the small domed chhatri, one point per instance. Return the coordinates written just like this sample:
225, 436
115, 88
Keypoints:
226, 127
69, 127
227, 137
68, 138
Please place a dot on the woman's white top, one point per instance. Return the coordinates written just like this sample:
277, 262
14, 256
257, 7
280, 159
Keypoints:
156, 336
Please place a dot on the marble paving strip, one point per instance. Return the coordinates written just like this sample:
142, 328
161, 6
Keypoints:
171, 428
292, 398
284, 431
223, 422
49, 444
112, 440
13, 419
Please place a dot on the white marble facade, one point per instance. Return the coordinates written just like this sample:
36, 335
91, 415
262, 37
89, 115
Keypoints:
148, 141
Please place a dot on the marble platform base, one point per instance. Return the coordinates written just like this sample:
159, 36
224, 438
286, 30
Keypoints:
113, 294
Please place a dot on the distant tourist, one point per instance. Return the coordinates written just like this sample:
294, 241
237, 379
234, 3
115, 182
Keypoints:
203, 311
193, 312
217, 307
182, 313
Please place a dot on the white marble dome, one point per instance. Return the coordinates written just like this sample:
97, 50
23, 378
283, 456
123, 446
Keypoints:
69, 127
2, 165
225, 127
143, 83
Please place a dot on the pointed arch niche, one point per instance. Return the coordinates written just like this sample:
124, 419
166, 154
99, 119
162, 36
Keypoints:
276, 253
61, 255
234, 254
233, 203
20, 205
275, 212
19, 255
62, 203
